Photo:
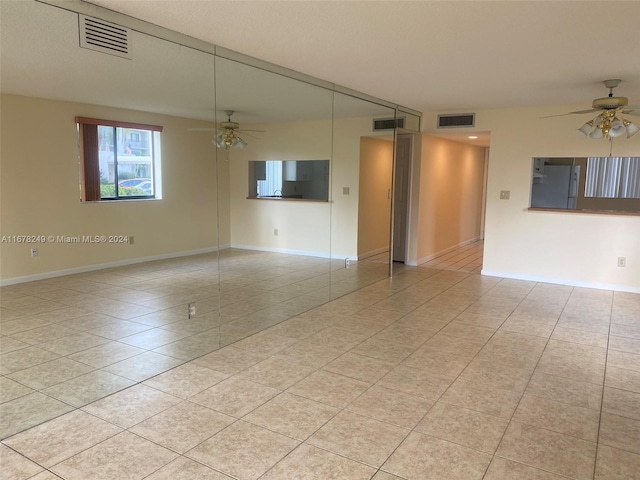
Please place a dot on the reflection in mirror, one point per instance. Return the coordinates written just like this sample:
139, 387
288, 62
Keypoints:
608, 184
277, 266
362, 167
291, 179
111, 321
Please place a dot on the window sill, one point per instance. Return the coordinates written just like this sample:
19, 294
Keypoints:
592, 212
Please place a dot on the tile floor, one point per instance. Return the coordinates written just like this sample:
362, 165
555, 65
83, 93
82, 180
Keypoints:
438, 373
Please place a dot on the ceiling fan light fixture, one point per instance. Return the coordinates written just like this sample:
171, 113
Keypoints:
597, 133
631, 128
586, 128
617, 128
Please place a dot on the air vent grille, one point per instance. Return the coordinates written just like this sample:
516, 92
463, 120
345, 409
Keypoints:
457, 120
387, 123
105, 37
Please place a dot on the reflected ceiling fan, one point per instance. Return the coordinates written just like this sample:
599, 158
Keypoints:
227, 136
609, 123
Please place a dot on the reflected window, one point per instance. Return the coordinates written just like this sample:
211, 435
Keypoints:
289, 179
118, 160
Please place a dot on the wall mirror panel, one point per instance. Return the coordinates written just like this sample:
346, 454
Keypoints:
278, 263
201, 265
607, 184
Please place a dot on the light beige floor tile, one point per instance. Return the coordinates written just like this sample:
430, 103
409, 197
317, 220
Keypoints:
43, 334
106, 354
183, 426
80, 391
62, 437
230, 360
153, 338
186, 380
8, 344
580, 336
143, 366
449, 364
243, 450
565, 390
359, 438
464, 427
191, 347
311, 463
631, 331
15, 466
503, 469
29, 410
623, 379
620, 432
265, 343
124, 456
131, 406
10, 390
235, 396
421, 457
329, 388
518, 324
384, 476
621, 402
483, 398
498, 375
24, 358
614, 464
391, 406
383, 350
419, 382
73, 343
558, 417
362, 368
50, 373
549, 451
405, 335
630, 361
277, 372
46, 475
623, 344
291, 415
185, 469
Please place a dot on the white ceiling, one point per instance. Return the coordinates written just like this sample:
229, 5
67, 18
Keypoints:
428, 55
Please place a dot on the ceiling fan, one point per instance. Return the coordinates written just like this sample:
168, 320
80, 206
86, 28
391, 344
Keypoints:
227, 136
609, 124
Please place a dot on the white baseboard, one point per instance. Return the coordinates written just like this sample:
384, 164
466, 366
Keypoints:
101, 266
446, 250
563, 281
373, 253
289, 251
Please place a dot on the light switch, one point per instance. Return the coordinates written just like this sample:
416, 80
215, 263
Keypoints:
345, 190
505, 194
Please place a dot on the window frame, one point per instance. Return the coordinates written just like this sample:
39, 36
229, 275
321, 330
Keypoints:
89, 158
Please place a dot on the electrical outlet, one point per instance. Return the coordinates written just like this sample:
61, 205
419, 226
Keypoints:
275, 232
347, 262
345, 190
192, 310
505, 194
130, 239
622, 261
34, 252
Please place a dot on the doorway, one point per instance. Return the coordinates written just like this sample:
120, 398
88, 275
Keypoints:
401, 175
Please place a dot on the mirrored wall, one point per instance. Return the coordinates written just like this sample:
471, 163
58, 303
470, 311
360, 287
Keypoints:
203, 261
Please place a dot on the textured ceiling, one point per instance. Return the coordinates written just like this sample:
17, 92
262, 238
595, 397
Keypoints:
428, 55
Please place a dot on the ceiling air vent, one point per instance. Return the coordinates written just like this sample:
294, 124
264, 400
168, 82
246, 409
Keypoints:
105, 37
457, 120
387, 123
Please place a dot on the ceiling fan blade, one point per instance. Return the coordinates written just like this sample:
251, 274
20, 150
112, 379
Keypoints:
245, 134
635, 113
203, 129
574, 113
243, 130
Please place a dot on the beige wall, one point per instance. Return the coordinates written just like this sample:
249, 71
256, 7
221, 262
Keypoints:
316, 228
374, 205
450, 196
571, 248
40, 191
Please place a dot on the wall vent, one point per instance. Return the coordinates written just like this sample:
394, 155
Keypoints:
456, 120
387, 123
105, 37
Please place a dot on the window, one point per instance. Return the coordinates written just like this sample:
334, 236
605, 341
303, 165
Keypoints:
119, 160
289, 179
613, 177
